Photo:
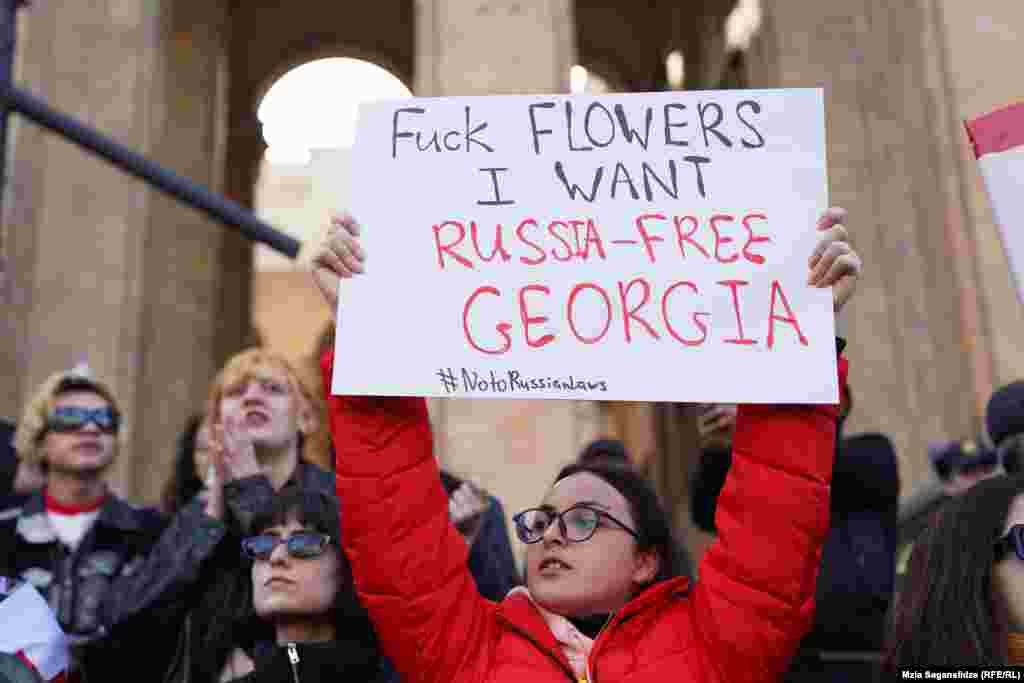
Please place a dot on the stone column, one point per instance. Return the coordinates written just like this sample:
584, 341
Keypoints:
106, 270
487, 47
915, 359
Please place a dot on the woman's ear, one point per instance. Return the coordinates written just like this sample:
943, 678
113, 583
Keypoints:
647, 565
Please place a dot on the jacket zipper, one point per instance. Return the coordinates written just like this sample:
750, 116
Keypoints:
293, 657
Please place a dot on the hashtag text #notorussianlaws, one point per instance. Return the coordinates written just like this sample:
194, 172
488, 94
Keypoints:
468, 381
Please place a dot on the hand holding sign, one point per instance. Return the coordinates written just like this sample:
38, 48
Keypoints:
340, 256
834, 263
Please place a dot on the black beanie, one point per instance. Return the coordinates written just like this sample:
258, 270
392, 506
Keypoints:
1005, 413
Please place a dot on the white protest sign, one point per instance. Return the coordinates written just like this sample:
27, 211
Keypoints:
27, 625
649, 247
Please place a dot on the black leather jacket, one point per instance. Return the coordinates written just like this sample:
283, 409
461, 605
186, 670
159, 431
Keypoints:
131, 559
128, 559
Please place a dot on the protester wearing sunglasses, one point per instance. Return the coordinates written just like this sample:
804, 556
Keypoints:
962, 604
606, 599
84, 548
302, 589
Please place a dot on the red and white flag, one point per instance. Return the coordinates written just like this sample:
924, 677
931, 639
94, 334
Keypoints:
29, 630
998, 139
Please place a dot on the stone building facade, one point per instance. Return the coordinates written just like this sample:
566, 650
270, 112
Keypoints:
155, 296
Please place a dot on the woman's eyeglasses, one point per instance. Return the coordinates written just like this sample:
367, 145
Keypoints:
1012, 541
301, 545
577, 524
73, 418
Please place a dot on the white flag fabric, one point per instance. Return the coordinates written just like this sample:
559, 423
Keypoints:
998, 140
28, 627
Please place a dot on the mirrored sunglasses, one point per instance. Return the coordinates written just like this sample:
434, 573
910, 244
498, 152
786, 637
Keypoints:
301, 545
73, 418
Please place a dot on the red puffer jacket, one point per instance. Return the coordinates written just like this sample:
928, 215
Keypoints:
741, 622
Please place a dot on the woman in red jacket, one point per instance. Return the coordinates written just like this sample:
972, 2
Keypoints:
593, 552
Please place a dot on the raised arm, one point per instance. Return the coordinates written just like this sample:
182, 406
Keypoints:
408, 560
755, 598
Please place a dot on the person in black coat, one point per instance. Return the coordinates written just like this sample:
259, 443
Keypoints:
857, 579
303, 595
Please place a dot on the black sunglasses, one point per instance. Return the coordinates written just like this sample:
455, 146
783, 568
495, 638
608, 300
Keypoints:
301, 545
73, 418
1013, 540
577, 524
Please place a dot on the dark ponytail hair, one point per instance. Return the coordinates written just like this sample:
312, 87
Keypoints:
950, 612
183, 485
653, 524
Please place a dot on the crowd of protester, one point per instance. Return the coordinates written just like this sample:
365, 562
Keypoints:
259, 565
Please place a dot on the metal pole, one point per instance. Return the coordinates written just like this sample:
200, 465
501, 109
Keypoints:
8, 39
224, 210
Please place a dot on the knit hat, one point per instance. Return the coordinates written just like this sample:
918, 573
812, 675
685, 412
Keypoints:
949, 456
1005, 413
865, 475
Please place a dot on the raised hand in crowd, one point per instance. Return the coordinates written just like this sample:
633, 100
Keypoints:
232, 456
716, 423
834, 263
341, 255
466, 508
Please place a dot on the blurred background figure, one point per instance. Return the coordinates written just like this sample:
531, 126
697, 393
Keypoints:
716, 424
191, 465
963, 599
962, 463
480, 519
857, 579
1004, 419
17, 477
604, 450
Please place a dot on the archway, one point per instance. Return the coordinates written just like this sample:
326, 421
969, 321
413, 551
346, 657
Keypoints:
308, 129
